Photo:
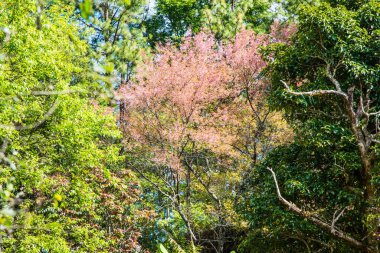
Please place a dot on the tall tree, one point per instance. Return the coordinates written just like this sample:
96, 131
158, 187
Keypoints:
115, 34
171, 20
329, 76
59, 148
196, 111
226, 18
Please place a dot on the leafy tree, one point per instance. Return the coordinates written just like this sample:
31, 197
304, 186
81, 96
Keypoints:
195, 111
226, 18
115, 34
65, 187
327, 81
198, 158
173, 19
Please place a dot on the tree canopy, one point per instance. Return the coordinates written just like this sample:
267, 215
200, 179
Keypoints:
189, 126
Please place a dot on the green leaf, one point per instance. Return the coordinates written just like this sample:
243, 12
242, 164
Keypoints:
127, 2
163, 249
86, 9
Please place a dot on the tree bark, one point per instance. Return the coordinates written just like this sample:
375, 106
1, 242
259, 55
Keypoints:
358, 113
322, 224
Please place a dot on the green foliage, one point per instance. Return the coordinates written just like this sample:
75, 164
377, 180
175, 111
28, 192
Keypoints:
63, 182
163, 249
322, 170
115, 33
174, 19
57, 141
226, 18
306, 172
86, 9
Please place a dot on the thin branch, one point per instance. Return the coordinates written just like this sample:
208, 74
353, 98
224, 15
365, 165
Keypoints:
302, 240
336, 218
374, 113
154, 184
177, 205
55, 92
4, 146
91, 25
213, 195
322, 243
3, 157
37, 123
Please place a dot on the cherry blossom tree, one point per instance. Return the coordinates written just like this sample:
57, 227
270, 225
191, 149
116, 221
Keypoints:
199, 98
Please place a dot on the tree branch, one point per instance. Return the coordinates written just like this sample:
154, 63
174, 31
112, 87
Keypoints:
154, 184
374, 113
37, 123
213, 195
176, 203
316, 220
336, 218
332, 78
314, 92
54, 92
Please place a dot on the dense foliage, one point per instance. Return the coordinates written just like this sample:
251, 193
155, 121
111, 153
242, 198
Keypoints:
189, 126
63, 149
327, 83
173, 19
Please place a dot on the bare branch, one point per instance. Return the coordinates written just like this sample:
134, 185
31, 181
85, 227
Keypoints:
4, 157
176, 203
314, 92
375, 141
4, 146
361, 108
336, 218
302, 240
186, 220
374, 113
332, 79
205, 186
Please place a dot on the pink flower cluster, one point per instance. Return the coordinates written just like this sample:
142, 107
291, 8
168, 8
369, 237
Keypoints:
194, 94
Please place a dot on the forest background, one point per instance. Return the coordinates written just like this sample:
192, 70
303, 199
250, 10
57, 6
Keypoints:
189, 126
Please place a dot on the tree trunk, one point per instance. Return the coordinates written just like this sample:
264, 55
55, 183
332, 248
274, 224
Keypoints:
188, 204
363, 140
221, 235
